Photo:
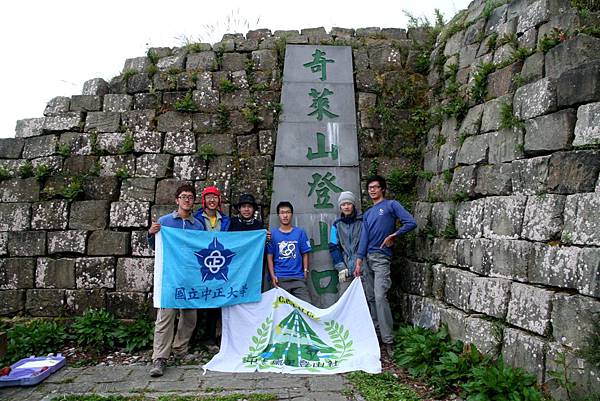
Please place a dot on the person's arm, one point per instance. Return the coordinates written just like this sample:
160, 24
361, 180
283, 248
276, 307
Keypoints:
335, 250
407, 220
272, 270
154, 228
305, 264
363, 242
358, 267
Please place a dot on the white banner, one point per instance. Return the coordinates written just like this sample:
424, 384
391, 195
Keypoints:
282, 333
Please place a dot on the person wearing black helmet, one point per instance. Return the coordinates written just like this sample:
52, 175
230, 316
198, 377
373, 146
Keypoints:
246, 221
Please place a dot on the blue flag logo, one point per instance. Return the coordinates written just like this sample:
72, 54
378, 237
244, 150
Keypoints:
214, 261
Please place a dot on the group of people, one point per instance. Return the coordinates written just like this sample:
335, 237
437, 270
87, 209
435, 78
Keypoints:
360, 245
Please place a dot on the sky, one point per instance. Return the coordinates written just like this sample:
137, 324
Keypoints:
50, 48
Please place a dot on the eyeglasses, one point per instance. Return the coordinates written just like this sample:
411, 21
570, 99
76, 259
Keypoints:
211, 198
370, 187
186, 197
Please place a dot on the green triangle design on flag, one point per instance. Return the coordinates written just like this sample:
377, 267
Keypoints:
293, 341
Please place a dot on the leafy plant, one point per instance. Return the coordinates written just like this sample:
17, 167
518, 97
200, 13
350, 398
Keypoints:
64, 149
508, 38
250, 113
223, 120
94, 143
173, 71
428, 231
455, 368
127, 145
36, 337
373, 167
460, 196
520, 147
478, 90
422, 62
492, 41
507, 118
73, 189
207, 152
440, 140
94, 171
522, 53
419, 349
450, 230
196, 47
518, 80
226, 86
26, 170
122, 173
137, 335
448, 175
488, 9
561, 376
427, 175
152, 56
499, 381
186, 104
586, 6
128, 74
456, 107
4, 173
555, 37
402, 180
96, 329
258, 87
151, 70
42, 171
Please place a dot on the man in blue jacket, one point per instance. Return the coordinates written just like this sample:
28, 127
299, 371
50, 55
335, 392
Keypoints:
210, 214
212, 218
376, 241
165, 318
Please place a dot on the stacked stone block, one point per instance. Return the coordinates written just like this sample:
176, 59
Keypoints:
526, 255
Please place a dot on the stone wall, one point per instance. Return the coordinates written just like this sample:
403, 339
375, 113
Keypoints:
507, 253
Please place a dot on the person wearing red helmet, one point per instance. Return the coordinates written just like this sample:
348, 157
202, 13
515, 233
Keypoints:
213, 219
210, 214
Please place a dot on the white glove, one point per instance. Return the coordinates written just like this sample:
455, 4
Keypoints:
343, 275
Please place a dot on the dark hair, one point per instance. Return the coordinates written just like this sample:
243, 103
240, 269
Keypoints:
379, 179
185, 188
284, 204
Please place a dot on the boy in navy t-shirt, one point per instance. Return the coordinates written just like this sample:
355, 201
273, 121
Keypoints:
287, 254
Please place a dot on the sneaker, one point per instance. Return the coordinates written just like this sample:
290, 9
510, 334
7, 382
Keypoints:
388, 349
158, 367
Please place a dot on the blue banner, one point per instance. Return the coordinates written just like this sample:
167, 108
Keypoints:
207, 269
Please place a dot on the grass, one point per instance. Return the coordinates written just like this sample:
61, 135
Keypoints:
381, 387
507, 118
